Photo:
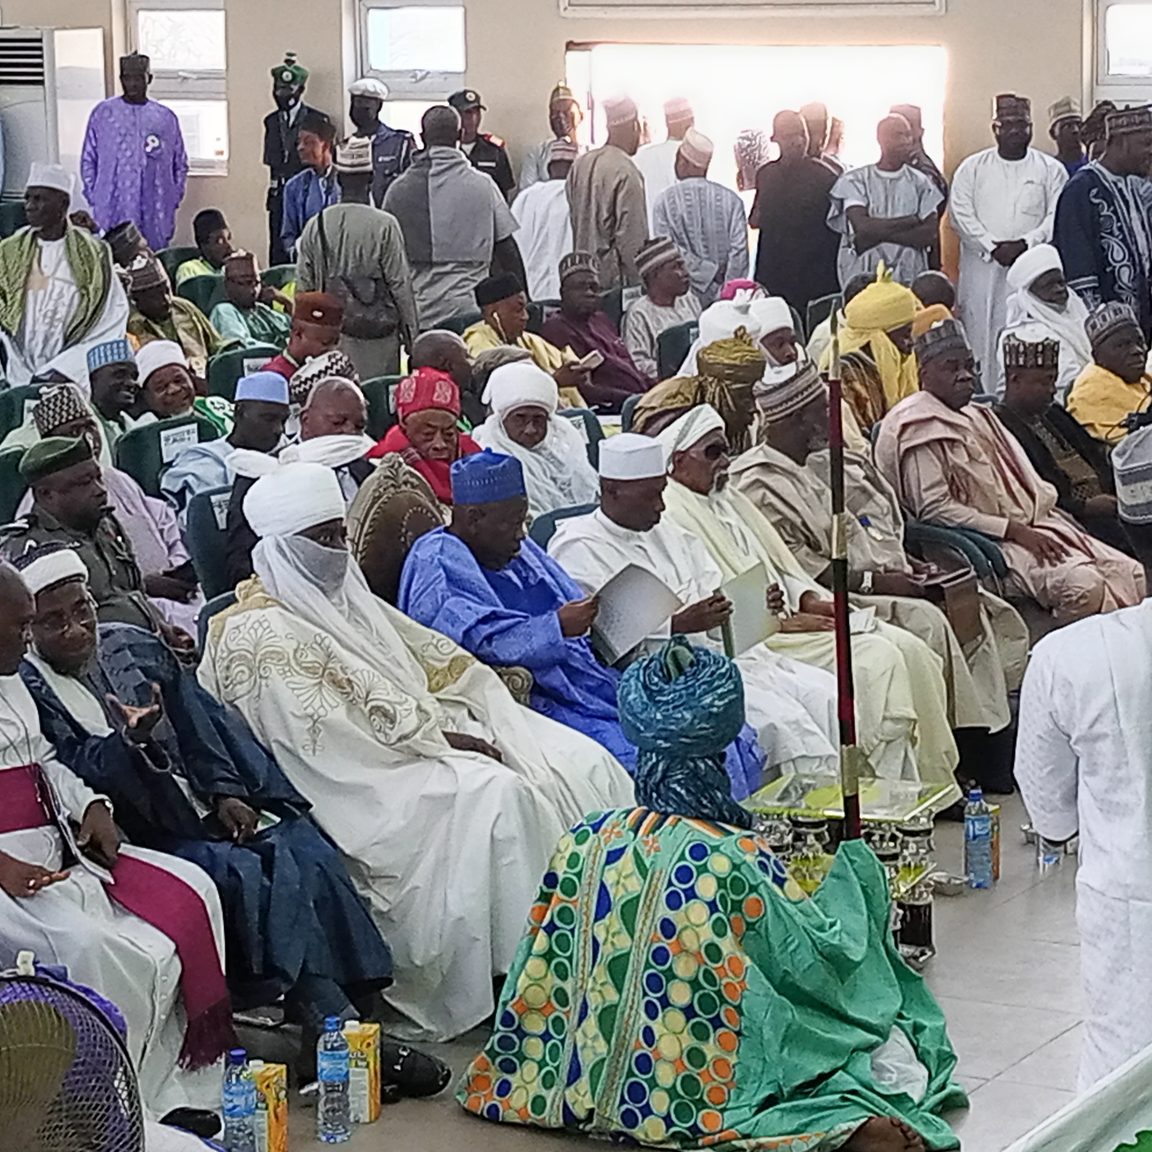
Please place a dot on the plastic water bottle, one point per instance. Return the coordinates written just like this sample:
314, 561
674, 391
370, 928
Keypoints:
977, 841
239, 1104
333, 1114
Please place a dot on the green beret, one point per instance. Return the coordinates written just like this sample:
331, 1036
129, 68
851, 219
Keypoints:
53, 454
290, 72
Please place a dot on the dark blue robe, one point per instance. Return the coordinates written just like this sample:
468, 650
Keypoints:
292, 916
1103, 231
507, 617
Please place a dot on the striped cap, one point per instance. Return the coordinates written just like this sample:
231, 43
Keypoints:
654, 255
786, 390
1132, 468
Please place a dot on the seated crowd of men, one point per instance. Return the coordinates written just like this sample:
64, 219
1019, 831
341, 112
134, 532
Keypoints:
345, 793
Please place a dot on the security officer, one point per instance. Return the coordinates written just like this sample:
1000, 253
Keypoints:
281, 129
488, 153
392, 148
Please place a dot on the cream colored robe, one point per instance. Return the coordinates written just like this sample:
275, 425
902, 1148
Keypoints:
962, 469
798, 502
447, 847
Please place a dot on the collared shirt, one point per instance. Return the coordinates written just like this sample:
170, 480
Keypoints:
392, 150
489, 154
113, 575
306, 195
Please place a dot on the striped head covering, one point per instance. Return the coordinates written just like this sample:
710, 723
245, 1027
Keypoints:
1132, 468
786, 390
578, 262
739, 360
942, 339
322, 367
146, 272
1022, 353
110, 352
654, 255
1126, 120
558, 150
57, 406
1107, 319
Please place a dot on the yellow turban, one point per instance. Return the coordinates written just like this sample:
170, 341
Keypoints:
882, 307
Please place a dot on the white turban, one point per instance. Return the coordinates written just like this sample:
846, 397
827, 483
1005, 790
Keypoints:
292, 498
159, 354
772, 313
54, 567
720, 321
520, 385
1032, 265
689, 429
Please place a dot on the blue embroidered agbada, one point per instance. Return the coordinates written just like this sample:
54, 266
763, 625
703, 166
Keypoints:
293, 921
508, 618
1103, 231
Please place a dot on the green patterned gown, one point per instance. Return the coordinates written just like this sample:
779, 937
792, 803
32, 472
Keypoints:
676, 989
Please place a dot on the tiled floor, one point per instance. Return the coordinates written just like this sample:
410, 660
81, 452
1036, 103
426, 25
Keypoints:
1007, 979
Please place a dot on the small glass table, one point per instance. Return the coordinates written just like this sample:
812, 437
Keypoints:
881, 801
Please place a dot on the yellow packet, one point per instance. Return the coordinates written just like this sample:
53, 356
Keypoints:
271, 1082
363, 1071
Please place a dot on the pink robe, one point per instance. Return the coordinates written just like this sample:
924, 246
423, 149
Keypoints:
963, 469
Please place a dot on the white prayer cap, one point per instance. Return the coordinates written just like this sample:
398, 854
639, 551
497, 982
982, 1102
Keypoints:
1032, 265
159, 354
628, 456
621, 110
520, 385
721, 320
49, 565
42, 175
689, 429
772, 313
369, 86
678, 108
1132, 468
292, 498
696, 148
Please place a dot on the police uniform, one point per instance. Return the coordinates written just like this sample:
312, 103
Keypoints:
281, 132
392, 150
489, 154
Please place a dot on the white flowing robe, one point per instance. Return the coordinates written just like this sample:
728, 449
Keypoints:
545, 235
75, 924
51, 300
901, 702
993, 200
657, 164
792, 707
447, 847
1084, 764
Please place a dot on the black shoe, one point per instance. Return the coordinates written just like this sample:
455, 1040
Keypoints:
416, 1074
199, 1121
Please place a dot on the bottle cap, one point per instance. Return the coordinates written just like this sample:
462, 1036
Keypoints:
331, 1023
255, 1065
237, 1055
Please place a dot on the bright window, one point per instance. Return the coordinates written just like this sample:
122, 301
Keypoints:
416, 48
1127, 40
186, 42
859, 85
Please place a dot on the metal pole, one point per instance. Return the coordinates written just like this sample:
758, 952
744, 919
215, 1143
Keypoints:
846, 696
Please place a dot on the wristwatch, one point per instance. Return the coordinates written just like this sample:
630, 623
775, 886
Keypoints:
866, 582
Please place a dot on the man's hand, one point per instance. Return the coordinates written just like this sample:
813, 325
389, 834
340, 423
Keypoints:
569, 376
22, 880
807, 622
177, 639
464, 743
269, 295
238, 819
98, 837
1102, 505
814, 605
139, 723
775, 600
578, 616
702, 616
922, 570
84, 220
1007, 252
896, 584
161, 586
1043, 547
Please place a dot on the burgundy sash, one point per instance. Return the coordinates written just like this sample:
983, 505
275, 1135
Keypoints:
159, 898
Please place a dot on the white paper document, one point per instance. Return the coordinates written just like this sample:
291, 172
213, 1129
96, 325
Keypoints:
751, 621
633, 605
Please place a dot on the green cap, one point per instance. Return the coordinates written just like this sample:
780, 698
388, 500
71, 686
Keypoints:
290, 72
53, 454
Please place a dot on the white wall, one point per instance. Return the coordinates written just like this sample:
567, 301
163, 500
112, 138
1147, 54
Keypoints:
516, 53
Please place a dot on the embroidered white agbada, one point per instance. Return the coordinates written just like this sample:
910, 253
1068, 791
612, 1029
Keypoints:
993, 200
901, 699
791, 707
51, 300
1084, 764
545, 235
353, 698
75, 924
798, 502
